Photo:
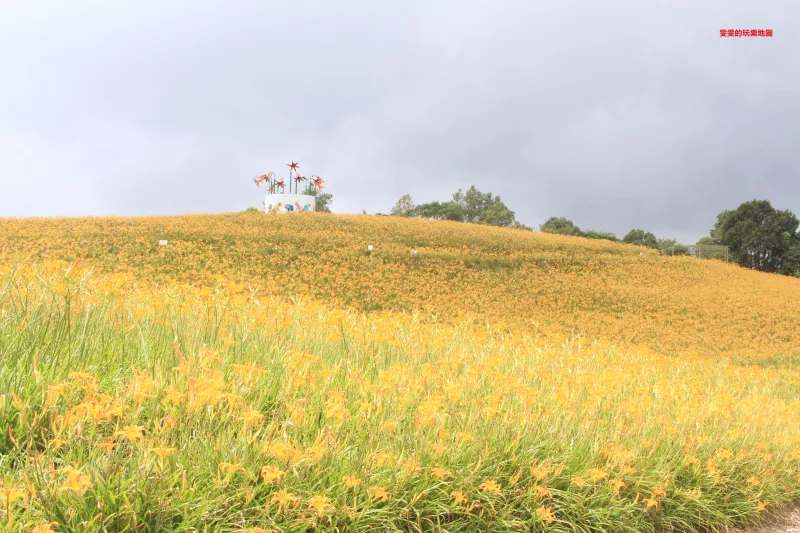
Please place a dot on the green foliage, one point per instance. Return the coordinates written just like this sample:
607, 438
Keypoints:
564, 226
497, 214
473, 206
252, 210
323, 199
665, 243
641, 238
404, 207
483, 207
760, 237
707, 241
439, 211
592, 234
671, 247
519, 225
561, 226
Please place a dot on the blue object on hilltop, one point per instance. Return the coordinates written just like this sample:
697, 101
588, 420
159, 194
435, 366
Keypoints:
290, 207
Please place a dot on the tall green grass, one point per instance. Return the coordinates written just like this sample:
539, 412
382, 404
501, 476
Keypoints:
386, 398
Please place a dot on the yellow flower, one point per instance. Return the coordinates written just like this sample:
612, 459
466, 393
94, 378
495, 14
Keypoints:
379, 493
47, 527
283, 499
107, 445
540, 492
131, 432
545, 514
9, 495
578, 481
761, 506
271, 473
251, 416
754, 481
231, 468
459, 497
351, 481
283, 451
162, 452
650, 502
439, 448
596, 474
440, 473
491, 486
539, 472
76, 481
320, 505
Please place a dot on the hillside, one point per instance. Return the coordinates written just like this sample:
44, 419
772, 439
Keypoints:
501, 381
530, 282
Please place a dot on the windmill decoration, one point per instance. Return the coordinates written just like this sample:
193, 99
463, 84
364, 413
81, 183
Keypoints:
277, 200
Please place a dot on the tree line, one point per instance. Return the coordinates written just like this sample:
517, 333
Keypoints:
757, 235
472, 206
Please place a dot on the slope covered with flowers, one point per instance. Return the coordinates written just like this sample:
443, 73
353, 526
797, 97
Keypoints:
529, 282
231, 382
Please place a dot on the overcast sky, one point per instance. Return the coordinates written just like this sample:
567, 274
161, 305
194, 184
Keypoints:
614, 114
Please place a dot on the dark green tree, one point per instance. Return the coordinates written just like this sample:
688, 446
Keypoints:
707, 241
323, 199
440, 211
561, 226
471, 206
404, 207
519, 225
496, 214
592, 234
484, 208
760, 237
641, 238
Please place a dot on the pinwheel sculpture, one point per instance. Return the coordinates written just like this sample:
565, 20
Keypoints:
268, 179
297, 180
276, 185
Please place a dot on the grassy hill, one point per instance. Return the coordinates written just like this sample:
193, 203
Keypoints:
530, 282
500, 380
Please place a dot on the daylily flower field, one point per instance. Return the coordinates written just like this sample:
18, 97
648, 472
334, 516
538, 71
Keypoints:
272, 373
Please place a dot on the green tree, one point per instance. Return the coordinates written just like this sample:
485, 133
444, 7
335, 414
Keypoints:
519, 225
672, 247
484, 208
496, 214
641, 238
592, 234
471, 206
561, 226
440, 211
759, 236
404, 206
323, 200
667, 243
706, 241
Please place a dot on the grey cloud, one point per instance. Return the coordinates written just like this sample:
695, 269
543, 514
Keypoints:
617, 115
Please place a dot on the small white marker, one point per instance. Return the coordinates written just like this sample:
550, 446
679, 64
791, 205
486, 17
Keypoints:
162, 243
370, 248
414, 252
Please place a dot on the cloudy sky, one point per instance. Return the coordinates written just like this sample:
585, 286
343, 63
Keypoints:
614, 114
